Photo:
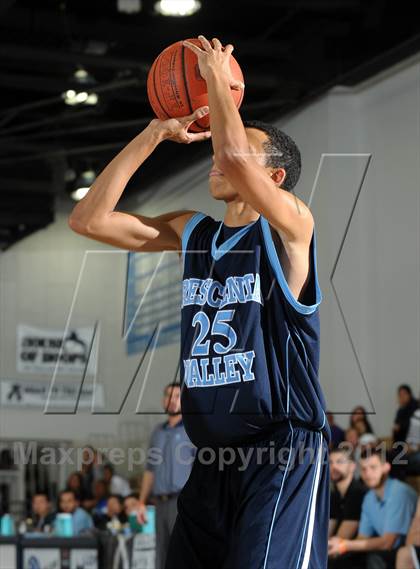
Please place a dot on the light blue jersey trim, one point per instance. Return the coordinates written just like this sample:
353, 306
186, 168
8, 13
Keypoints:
305, 527
278, 498
188, 229
278, 271
218, 252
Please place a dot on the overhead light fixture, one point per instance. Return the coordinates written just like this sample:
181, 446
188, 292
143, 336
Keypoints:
129, 6
83, 184
177, 7
72, 98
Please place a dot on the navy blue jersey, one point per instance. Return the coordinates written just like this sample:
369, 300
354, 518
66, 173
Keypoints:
249, 349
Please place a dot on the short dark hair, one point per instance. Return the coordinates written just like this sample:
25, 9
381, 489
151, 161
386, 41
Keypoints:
117, 497
281, 152
76, 495
45, 494
380, 453
406, 388
132, 495
345, 450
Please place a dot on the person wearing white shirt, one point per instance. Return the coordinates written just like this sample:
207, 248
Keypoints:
116, 484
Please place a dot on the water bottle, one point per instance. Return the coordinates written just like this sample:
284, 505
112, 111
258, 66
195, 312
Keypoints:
7, 525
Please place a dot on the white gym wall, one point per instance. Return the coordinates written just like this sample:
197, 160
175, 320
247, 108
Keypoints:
377, 277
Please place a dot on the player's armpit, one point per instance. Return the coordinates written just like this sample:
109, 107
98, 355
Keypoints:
136, 232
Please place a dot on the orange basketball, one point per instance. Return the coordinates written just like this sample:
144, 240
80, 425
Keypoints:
175, 87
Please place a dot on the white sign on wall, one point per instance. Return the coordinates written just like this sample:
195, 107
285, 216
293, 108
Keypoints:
8, 556
83, 558
41, 558
38, 350
17, 393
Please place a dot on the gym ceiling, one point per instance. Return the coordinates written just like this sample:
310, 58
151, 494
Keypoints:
290, 51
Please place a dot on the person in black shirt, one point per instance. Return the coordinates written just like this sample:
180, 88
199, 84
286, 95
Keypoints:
42, 514
347, 494
407, 405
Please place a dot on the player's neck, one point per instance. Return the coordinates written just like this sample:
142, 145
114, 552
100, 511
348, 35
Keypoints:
239, 213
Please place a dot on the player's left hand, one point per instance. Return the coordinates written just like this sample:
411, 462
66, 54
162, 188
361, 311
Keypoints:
214, 58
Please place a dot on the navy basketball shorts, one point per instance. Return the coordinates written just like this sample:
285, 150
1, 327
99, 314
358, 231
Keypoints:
259, 506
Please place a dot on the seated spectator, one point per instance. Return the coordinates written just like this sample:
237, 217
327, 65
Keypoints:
359, 421
413, 442
69, 503
42, 514
347, 495
100, 495
116, 484
75, 482
409, 556
387, 511
407, 405
351, 437
357, 444
337, 433
114, 509
92, 469
131, 504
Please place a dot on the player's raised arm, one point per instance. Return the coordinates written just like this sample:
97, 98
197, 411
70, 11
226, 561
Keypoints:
95, 216
233, 154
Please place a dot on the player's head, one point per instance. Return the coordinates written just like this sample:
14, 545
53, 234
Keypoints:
342, 464
374, 468
273, 149
172, 398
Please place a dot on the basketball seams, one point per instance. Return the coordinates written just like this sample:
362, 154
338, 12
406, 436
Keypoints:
175, 85
155, 88
184, 77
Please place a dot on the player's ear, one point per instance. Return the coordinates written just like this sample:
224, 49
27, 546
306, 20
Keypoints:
278, 176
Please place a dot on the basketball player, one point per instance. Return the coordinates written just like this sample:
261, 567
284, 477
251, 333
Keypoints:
250, 338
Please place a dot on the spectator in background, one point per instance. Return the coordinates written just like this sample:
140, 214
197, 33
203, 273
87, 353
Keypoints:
407, 405
100, 495
116, 484
70, 504
347, 495
42, 514
92, 469
165, 477
114, 510
131, 504
387, 511
75, 483
409, 556
413, 442
337, 433
357, 445
359, 421
352, 438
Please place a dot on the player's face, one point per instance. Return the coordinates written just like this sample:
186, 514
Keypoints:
373, 471
220, 187
340, 467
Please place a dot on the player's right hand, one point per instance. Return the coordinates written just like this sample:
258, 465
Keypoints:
142, 514
177, 129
